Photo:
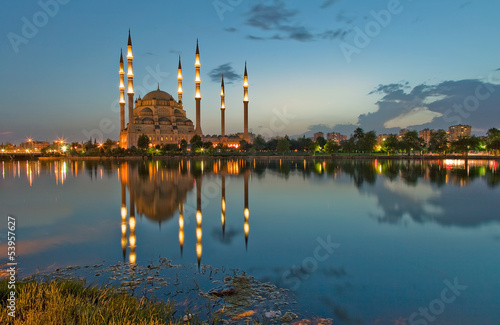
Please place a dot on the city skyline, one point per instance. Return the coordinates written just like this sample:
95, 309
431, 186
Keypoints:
321, 66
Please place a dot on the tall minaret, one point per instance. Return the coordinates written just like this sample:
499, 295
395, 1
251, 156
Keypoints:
197, 81
222, 108
130, 91
179, 79
245, 105
122, 94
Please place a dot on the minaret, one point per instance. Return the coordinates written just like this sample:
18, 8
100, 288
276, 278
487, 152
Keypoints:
222, 108
179, 80
197, 81
122, 94
130, 91
245, 105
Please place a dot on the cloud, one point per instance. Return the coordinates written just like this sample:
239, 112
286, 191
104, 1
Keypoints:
231, 30
255, 38
269, 17
328, 3
470, 101
224, 69
175, 52
6, 133
334, 34
283, 24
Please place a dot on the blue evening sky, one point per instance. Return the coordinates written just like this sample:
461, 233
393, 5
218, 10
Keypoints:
309, 67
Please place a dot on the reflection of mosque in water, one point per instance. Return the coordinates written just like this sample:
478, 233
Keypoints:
158, 192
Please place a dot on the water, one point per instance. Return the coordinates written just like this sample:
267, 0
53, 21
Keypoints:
362, 242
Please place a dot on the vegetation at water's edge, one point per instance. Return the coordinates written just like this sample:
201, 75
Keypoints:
360, 143
75, 302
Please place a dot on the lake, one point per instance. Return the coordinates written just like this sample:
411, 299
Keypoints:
358, 241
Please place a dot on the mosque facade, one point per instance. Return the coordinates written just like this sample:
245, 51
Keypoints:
163, 118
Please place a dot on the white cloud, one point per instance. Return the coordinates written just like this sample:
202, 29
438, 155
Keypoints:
417, 116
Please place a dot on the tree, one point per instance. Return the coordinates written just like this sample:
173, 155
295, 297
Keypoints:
331, 147
367, 142
272, 144
439, 141
465, 144
196, 142
244, 146
183, 145
412, 142
391, 143
348, 146
283, 145
321, 141
259, 143
314, 147
304, 143
143, 142
493, 140
358, 134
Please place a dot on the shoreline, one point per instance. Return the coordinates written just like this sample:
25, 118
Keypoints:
273, 157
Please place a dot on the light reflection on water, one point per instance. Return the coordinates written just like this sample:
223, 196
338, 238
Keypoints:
403, 227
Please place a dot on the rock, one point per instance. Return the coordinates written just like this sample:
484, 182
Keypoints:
272, 313
222, 293
288, 317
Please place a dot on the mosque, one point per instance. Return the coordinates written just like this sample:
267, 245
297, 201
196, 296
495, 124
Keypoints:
163, 119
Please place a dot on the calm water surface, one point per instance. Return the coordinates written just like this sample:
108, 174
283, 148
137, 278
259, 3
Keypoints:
362, 242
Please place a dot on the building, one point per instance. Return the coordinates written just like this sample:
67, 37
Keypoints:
458, 131
318, 135
426, 134
161, 117
35, 146
335, 136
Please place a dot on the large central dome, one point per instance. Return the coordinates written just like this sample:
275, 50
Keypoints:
158, 95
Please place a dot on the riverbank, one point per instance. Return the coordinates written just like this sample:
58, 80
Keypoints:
76, 302
276, 157
159, 293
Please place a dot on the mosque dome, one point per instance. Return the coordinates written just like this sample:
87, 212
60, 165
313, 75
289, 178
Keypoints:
158, 95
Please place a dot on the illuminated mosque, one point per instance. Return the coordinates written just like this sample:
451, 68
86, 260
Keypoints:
163, 119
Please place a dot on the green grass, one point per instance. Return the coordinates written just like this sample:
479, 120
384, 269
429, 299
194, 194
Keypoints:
75, 302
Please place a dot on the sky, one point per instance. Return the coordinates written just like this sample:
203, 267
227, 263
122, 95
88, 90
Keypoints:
319, 65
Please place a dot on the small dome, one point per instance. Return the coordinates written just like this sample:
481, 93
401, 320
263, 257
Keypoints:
158, 95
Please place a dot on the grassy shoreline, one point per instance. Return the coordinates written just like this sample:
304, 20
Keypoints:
76, 302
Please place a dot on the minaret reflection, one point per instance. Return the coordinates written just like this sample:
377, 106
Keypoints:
223, 204
124, 221
246, 211
132, 237
199, 247
181, 226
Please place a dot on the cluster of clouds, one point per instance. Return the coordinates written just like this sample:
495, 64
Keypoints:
275, 21
470, 101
